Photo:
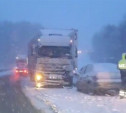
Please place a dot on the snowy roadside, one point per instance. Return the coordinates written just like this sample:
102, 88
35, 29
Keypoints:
31, 93
61, 100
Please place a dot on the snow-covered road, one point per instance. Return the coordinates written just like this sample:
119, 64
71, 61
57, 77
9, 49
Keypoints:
59, 100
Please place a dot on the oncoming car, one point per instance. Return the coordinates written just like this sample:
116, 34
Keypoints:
99, 78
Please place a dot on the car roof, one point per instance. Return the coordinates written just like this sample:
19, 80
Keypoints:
104, 67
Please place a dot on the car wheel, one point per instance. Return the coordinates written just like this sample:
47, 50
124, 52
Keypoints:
90, 87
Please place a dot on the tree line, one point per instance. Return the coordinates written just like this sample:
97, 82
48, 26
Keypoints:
14, 38
109, 43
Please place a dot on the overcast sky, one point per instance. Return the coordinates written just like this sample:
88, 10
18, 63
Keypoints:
88, 16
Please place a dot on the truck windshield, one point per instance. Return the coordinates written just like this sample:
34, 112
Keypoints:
54, 51
21, 63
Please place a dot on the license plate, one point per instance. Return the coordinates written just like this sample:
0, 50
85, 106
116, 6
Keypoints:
20, 71
55, 76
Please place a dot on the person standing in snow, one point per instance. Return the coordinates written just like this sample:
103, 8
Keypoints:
122, 68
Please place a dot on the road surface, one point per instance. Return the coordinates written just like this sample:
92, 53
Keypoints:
12, 99
65, 100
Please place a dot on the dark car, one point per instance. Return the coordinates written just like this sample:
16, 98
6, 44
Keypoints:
99, 78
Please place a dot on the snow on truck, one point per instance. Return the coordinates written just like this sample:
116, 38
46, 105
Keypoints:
52, 57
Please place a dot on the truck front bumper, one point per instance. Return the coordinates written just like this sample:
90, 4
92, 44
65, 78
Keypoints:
51, 82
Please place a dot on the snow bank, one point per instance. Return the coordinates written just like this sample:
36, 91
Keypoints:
61, 100
31, 92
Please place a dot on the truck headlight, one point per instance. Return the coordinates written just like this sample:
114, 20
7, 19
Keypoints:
38, 77
38, 85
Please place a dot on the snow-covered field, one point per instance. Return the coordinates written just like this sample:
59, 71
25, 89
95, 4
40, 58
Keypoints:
59, 100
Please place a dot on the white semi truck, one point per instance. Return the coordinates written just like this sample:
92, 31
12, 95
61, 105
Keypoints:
52, 57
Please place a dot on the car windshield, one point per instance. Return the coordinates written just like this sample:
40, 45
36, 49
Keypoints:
62, 56
54, 52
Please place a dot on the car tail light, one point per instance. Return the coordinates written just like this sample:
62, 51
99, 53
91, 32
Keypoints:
25, 71
16, 71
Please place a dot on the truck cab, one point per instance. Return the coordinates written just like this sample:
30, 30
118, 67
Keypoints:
52, 57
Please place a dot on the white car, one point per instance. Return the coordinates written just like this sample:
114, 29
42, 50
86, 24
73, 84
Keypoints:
99, 78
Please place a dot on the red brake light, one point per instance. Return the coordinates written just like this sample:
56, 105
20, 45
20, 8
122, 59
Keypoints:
17, 71
25, 71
